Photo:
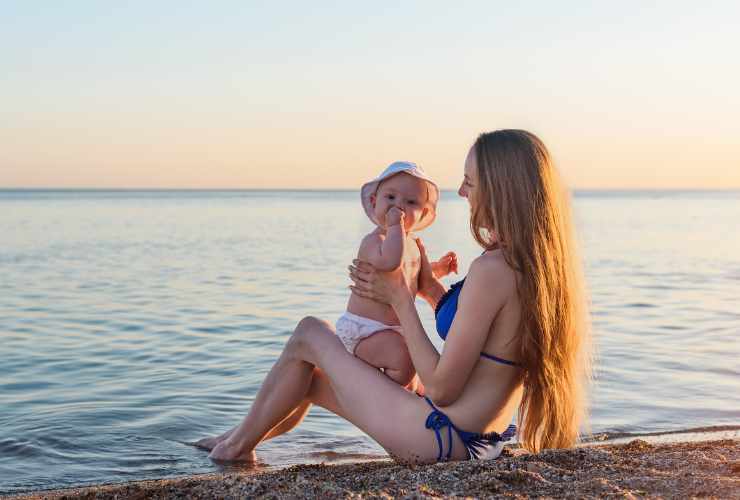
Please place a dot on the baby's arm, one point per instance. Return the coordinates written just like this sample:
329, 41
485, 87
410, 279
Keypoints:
386, 254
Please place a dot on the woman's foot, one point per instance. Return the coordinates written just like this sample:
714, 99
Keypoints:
226, 451
210, 443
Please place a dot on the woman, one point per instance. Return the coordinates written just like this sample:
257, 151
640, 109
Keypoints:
515, 333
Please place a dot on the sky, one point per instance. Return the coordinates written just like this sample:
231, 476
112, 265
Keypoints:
311, 95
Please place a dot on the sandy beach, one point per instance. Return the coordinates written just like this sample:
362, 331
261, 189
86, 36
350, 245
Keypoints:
708, 469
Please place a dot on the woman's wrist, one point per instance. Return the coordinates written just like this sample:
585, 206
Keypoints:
401, 299
403, 305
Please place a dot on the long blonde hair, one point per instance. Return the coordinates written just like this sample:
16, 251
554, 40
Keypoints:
520, 207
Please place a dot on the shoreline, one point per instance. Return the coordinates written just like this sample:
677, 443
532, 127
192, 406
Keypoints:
636, 468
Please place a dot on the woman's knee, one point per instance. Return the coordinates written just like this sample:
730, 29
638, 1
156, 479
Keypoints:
311, 324
307, 329
308, 323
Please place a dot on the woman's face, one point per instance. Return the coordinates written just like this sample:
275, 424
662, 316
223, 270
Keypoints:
470, 178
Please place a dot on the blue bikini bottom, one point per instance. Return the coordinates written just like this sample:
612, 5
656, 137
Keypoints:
479, 446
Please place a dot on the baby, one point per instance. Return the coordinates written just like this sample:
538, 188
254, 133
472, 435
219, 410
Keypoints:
401, 200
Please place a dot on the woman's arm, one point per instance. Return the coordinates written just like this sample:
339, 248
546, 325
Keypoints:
444, 376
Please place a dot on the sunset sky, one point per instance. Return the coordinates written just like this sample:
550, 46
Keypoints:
239, 94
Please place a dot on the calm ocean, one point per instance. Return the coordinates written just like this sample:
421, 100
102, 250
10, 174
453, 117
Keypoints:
132, 321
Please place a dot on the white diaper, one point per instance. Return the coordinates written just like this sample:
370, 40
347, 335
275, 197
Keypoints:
351, 329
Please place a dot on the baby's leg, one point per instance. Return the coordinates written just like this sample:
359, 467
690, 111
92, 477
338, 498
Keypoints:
386, 349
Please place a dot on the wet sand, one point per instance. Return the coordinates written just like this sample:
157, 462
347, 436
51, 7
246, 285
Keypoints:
635, 469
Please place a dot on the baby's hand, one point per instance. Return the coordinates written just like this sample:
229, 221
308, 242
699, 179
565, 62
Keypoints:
394, 216
445, 265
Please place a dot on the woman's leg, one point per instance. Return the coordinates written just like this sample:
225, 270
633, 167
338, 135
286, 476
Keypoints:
347, 386
282, 392
320, 393
290, 422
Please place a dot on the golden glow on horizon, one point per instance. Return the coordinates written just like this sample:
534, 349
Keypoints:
222, 159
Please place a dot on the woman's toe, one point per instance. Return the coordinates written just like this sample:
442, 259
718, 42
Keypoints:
206, 443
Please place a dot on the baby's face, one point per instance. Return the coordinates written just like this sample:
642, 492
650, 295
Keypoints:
404, 191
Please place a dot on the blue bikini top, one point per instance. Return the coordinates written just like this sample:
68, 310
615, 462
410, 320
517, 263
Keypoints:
445, 312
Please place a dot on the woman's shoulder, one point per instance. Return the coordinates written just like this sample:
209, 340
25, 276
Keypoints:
491, 267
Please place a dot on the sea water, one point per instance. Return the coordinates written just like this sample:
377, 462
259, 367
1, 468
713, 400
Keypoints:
134, 321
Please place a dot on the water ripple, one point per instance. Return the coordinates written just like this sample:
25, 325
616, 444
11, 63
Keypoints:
134, 323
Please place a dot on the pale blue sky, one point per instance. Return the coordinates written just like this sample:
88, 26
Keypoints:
310, 95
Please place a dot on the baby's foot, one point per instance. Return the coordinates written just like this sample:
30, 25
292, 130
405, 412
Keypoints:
225, 451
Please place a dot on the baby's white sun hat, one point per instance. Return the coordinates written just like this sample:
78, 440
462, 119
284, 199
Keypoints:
370, 188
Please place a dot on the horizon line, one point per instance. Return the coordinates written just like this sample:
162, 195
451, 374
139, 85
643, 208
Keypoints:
308, 190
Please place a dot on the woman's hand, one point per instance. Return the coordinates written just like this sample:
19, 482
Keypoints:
386, 287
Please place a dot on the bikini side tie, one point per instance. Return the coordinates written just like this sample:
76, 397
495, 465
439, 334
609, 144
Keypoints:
437, 421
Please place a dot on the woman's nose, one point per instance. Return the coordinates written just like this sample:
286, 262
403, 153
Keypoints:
461, 190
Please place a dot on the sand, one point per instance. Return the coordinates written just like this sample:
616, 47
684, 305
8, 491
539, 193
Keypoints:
636, 469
